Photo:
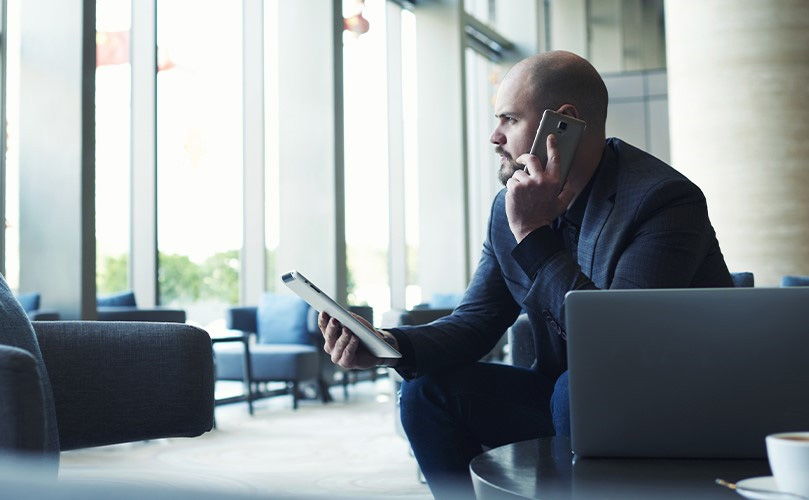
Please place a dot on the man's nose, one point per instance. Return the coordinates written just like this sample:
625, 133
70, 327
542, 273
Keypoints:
497, 137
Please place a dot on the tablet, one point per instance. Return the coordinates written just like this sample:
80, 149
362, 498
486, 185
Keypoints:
371, 339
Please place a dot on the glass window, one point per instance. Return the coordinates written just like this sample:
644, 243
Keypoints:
482, 10
199, 155
366, 153
272, 188
626, 35
411, 170
113, 119
482, 78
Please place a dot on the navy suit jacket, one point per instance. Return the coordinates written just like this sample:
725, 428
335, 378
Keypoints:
645, 225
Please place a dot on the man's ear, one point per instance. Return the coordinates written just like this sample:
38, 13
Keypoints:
569, 110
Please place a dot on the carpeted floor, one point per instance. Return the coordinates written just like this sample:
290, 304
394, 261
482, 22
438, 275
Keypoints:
347, 448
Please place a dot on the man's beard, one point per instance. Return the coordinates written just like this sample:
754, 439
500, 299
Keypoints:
508, 168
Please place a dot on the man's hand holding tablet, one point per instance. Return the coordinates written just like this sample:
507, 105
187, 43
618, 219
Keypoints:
351, 341
345, 348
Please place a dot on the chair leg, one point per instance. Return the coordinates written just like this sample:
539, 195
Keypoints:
323, 386
295, 395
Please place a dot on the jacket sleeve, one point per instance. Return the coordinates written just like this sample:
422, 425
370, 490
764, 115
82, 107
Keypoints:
661, 240
474, 327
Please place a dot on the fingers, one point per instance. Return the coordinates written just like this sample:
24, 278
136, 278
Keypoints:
553, 156
350, 352
339, 343
331, 329
532, 166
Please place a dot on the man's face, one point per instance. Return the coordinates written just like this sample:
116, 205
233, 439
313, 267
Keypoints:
517, 123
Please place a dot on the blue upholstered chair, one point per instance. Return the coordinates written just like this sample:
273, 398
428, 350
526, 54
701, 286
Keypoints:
793, 280
743, 279
285, 348
30, 303
78, 384
121, 306
440, 305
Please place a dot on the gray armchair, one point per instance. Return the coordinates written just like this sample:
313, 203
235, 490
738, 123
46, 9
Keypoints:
77, 384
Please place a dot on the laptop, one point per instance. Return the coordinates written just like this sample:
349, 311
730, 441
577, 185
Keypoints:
686, 373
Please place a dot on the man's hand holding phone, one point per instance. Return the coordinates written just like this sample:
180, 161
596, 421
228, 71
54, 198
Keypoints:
535, 195
345, 348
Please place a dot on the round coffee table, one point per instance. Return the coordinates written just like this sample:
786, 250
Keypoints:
546, 468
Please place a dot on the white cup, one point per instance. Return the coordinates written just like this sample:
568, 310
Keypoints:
789, 460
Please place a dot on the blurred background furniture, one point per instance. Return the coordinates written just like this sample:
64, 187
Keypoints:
284, 349
78, 384
440, 305
121, 306
30, 303
794, 280
743, 279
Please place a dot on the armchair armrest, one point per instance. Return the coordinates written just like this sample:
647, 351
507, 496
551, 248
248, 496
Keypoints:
22, 421
242, 318
116, 382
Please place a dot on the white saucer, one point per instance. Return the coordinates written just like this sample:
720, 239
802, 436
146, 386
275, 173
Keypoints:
761, 483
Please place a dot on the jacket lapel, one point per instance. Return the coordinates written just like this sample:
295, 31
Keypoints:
599, 208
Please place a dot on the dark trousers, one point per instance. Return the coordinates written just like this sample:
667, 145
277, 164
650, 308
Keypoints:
451, 415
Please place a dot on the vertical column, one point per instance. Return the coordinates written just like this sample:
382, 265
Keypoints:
397, 249
310, 144
57, 133
253, 259
443, 255
143, 260
522, 22
738, 104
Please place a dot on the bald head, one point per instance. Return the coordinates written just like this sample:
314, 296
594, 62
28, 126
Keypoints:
555, 78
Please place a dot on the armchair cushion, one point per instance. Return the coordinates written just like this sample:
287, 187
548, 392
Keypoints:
282, 319
29, 301
268, 362
16, 331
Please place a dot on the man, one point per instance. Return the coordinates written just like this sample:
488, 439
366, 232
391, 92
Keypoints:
623, 219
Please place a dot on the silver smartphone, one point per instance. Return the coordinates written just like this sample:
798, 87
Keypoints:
370, 338
568, 131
